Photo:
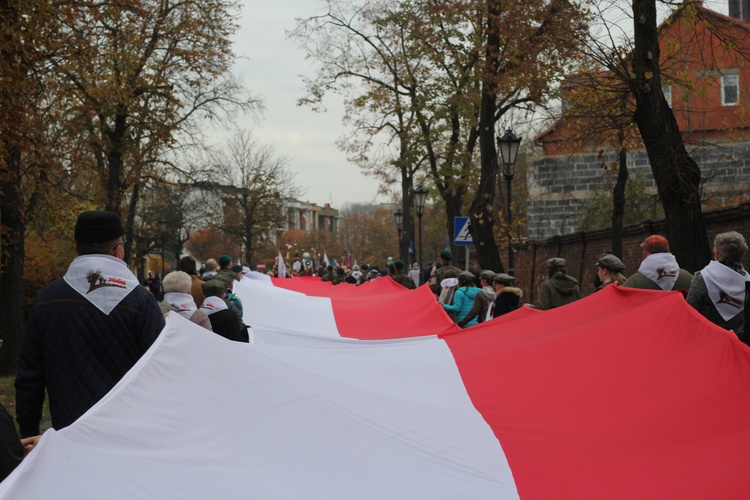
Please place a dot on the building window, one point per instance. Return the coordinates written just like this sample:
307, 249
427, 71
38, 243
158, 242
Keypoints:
667, 91
730, 89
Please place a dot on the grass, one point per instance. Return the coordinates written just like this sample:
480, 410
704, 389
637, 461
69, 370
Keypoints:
8, 399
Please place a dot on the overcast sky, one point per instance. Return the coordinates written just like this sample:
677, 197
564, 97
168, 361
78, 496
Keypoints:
271, 69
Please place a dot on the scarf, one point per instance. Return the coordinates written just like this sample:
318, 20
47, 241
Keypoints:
103, 280
661, 268
726, 288
213, 305
449, 282
183, 302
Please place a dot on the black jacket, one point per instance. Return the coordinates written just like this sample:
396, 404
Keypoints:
77, 352
225, 323
508, 300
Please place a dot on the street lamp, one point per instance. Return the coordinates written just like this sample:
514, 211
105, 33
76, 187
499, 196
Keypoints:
162, 225
508, 145
399, 216
420, 197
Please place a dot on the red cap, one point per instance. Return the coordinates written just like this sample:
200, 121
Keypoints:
655, 244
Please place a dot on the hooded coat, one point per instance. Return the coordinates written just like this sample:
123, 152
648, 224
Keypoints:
508, 300
463, 299
557, 291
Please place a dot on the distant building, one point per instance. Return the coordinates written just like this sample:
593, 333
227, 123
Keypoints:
306, 216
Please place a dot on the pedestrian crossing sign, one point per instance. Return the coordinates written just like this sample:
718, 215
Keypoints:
461, 234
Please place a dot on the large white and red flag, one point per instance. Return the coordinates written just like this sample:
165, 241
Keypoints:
624, 394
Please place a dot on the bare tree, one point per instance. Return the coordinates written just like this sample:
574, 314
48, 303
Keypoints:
254, 182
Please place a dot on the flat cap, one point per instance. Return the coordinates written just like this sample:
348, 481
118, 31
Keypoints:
466, 275
556, 262
487, 275
214, 288
611, 262
505, 279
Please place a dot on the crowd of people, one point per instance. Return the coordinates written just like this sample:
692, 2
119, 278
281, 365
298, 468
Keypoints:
471, 297
87, 329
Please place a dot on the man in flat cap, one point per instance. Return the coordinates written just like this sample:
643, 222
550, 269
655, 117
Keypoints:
559, 289
85, 330
659, 269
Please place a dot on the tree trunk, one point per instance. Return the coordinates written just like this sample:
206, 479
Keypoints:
249, 248
483, 207
12, 223
11, 261
676, 174
114, 163
618, 202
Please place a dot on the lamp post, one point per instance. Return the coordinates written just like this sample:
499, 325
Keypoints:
162, 224
399, 216
420, 197
508, 145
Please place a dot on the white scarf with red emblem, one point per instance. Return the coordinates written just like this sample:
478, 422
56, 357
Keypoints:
213, 305
103, 280
183, 302
661, 268
726, 288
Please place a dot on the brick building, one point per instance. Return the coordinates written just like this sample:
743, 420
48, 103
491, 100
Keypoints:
707, 84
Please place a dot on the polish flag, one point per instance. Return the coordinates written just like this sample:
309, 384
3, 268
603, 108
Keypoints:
624, 394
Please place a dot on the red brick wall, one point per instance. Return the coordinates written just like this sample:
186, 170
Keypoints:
582, 250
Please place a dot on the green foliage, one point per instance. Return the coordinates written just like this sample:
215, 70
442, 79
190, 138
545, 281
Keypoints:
640, 204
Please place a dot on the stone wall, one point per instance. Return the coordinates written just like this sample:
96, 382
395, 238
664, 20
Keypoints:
560, 185
582, 250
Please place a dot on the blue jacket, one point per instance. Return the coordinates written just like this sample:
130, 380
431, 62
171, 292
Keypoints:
463, 299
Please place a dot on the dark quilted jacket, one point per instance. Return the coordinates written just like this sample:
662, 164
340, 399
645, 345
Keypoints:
77, 352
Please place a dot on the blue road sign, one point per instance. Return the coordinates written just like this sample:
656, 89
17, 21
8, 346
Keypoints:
461, 234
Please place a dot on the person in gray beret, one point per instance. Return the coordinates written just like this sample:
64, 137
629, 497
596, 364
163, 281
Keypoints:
559, 289
609, 270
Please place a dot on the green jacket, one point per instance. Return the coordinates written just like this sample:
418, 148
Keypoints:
404, 280
557, 291
638, 280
